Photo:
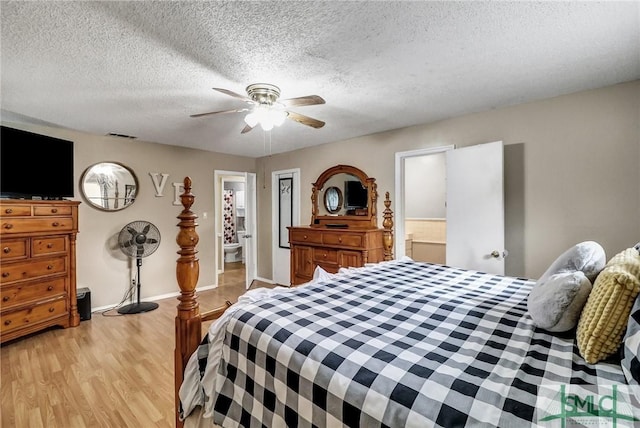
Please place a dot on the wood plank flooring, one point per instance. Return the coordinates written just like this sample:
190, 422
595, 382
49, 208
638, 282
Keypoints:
111, 371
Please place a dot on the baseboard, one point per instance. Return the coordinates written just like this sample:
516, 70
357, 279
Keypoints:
154, 298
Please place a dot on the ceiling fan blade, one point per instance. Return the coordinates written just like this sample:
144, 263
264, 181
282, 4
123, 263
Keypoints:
246, 129
233, 94
238, 110
309, 100
305, 120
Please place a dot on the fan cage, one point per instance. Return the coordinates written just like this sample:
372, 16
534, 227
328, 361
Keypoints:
139, 238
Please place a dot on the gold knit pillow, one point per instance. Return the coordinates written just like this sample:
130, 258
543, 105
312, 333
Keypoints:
605, 315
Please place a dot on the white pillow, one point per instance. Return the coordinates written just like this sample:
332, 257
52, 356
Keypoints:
556, 300
556, 304
587, 257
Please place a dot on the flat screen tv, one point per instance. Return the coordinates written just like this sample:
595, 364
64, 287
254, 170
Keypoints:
34, 166
355, 195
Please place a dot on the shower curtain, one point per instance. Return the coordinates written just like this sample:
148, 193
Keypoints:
229, 218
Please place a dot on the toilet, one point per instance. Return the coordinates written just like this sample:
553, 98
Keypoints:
231, 252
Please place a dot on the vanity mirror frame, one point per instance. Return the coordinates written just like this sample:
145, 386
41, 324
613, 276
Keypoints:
123, 197
366, 218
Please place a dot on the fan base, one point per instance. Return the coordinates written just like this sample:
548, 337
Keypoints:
136, 308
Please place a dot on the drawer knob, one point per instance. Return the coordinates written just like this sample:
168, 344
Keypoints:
49, 267
55, 224
8, 211
52, 309
305, 237
340, 239
5, 274
6, 250
5, 299
49, 245
7, 322
54, 210
49, 288
8, 226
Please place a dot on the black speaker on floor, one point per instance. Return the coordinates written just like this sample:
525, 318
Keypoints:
84, 303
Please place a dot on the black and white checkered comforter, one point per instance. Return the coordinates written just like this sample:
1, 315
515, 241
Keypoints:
400, 344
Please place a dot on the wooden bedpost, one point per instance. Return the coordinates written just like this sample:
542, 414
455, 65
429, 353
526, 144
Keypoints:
387, 224
188, 321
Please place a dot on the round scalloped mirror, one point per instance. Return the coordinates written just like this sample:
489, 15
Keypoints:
109, 186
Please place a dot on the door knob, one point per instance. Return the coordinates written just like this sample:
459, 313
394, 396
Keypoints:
496, 254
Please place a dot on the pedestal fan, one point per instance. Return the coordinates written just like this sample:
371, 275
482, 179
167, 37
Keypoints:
138, 239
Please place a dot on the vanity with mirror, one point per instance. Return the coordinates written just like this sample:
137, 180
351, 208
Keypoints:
344, 226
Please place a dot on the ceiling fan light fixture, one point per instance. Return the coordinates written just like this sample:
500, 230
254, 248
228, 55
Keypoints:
251, 119
267, 116
267, 110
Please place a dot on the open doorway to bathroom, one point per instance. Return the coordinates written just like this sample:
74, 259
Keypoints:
235, 227
420, 207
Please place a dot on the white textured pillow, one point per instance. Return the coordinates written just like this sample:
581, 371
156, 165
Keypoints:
587, 257
556, 304
556, 300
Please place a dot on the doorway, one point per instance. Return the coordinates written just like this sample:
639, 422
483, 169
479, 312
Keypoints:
235, 227
474, 205
420, 210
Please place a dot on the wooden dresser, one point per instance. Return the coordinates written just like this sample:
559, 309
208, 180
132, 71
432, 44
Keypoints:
331, 249
38, 266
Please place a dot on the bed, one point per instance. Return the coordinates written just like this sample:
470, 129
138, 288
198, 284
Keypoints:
394, 344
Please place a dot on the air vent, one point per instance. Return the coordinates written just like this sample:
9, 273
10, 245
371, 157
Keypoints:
113, 134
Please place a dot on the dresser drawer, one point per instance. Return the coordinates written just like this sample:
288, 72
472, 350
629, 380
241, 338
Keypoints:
32, 269
47, 245
14, 249
25, 292
33, 315
16, 210
325, 255
48, 210
27, 225
306, 236
346, 240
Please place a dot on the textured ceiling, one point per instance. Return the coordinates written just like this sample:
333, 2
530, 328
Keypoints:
141, 68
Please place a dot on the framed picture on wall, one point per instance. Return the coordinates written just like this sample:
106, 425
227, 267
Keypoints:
285, 210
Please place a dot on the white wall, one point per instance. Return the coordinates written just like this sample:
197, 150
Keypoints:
101, 266
571, 174
426, 189
571, 170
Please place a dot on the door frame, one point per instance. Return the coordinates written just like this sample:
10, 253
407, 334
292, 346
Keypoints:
219, 178
275, 199
399, 217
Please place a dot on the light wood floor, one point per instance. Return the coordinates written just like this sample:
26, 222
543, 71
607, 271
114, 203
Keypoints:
111, 371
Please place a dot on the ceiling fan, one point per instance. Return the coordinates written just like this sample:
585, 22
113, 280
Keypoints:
267, 110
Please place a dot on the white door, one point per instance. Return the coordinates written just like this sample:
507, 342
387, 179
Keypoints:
475, 208
285, 210
251, 254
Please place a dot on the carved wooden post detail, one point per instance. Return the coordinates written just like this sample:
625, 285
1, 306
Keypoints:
387, 224
314, 203
188, 322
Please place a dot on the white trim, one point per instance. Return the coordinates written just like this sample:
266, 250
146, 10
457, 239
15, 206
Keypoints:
268, 281
398, 221
153, 298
